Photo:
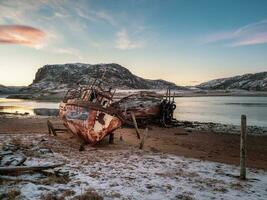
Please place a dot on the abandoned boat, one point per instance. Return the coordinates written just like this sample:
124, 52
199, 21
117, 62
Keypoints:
90, 113
86, 112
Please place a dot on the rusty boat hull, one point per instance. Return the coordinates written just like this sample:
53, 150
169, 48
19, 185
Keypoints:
88, 121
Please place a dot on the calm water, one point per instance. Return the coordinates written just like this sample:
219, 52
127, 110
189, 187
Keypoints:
225, 110
203, 109
22, 106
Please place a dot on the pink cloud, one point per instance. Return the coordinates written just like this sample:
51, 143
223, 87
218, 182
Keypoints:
252, 40
251, 34
218, 37
23, 35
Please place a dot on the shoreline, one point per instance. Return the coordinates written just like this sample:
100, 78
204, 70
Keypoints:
122, 93
220, 128
182, 141
189, 126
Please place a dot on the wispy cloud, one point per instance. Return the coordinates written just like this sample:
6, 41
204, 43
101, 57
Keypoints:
251, 34
260, 38
124, 42
23, 35
107, 17
218, 37
95, 16
68, 51
64, 20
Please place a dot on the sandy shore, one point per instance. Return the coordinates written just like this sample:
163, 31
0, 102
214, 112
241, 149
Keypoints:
175, 163
181, 141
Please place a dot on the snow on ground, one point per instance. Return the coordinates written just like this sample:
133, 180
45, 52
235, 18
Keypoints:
134, 174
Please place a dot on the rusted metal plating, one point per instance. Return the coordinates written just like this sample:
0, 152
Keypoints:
85, 111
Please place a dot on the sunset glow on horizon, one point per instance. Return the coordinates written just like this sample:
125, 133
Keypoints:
185, 42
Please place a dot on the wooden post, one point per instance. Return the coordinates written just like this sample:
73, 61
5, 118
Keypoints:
143, 139
121, 138
243, 147
111, 138
51, 128
135, 125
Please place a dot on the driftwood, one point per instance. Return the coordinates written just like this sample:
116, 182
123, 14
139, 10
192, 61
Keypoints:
10, 169
143, 139
135, 125
21, 161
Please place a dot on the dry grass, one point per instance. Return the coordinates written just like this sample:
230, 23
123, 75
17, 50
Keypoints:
68, 192
237, 186
51, 196
17, 142
184, 197
52, 179
89, 194
25, 148
12, 194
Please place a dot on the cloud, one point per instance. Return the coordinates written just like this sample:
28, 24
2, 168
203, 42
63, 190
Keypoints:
124, 42
68, 51
23, 35
95, 16
65, 20
107, 17
251, 34
218, 37
260, 38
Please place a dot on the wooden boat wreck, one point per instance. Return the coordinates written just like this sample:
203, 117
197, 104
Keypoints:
147, 107
90, 113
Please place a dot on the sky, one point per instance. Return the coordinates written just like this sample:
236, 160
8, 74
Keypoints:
183, 41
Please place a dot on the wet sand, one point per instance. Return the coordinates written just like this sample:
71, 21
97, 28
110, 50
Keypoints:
208, 146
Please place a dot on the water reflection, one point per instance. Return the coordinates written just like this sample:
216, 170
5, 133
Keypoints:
203, 109
27, 106
222, 109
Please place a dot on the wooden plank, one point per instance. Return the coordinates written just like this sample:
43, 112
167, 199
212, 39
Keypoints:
27, 168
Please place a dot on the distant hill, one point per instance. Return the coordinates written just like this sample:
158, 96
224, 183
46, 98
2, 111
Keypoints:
9, 89
54, 77
252, 82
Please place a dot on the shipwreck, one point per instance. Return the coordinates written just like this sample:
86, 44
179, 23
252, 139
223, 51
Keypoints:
90, 112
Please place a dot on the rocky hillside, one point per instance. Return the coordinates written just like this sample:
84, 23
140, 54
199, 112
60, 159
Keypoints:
252, 82
56, 77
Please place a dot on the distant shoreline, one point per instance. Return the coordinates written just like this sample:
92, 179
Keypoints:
122, 93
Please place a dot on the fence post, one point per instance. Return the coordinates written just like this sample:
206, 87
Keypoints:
243, 147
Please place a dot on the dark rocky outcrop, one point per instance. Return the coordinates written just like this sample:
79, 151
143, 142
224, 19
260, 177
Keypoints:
61, 76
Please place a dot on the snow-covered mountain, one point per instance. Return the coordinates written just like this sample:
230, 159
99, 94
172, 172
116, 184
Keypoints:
60, 77
253, 82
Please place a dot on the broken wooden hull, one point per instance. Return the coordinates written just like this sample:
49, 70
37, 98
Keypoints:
143, 105
87, 121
